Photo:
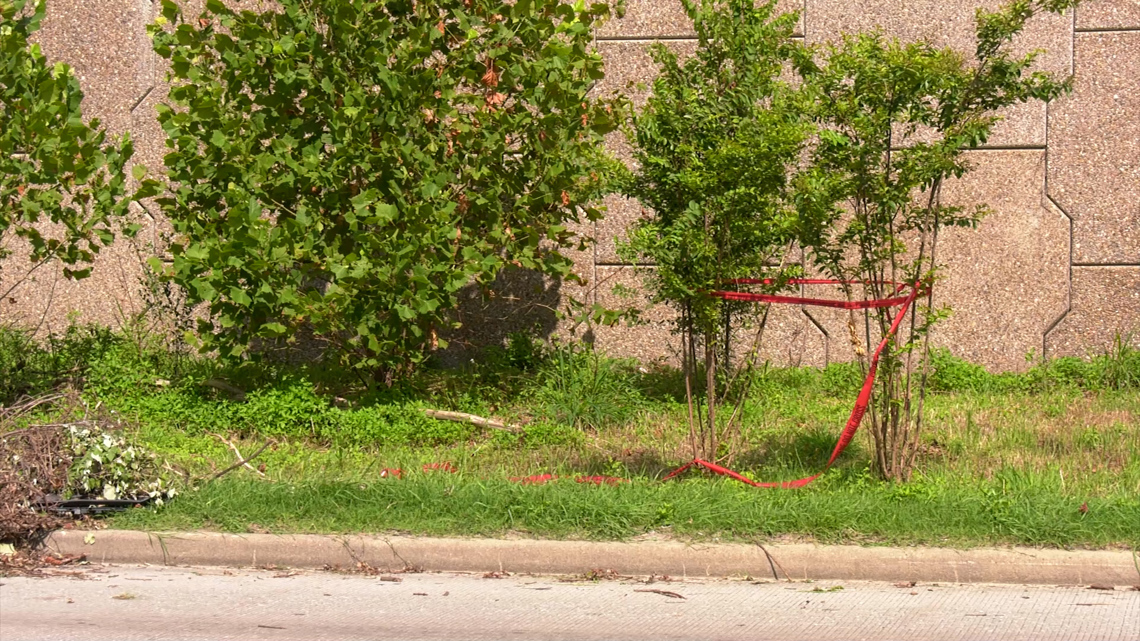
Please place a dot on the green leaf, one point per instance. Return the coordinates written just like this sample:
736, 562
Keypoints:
274, 329
204, 289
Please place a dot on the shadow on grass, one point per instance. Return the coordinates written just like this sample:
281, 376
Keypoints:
777, 457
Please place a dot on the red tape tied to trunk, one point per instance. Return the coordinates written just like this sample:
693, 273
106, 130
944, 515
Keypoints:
905, 303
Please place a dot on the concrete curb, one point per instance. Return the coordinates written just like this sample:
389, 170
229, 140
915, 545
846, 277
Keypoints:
796, 561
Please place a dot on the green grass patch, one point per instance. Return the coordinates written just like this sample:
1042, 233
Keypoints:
1046, 457
440, 504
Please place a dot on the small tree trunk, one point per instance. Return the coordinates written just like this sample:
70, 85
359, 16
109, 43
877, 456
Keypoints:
710, 385
687, 369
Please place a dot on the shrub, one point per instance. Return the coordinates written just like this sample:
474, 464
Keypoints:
346, 167
713, 145
895, 121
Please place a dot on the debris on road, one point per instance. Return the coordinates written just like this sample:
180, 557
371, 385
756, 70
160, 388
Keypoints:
667, 593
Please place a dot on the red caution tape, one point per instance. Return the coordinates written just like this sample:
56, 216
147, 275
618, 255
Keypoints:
601, 480
445, 467
542, 479
905, 303
864, 399
537, 479
817, 302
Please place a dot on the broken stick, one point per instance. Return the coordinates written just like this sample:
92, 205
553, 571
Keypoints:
242, 461
461, 417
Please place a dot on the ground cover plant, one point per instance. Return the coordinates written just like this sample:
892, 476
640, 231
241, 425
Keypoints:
1044, 457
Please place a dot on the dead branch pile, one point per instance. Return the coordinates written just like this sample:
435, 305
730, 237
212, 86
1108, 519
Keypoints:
33, 463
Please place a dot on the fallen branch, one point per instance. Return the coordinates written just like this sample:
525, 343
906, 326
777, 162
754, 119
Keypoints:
244, 462
773, 563
460, 417
237, 393
26, 405
672, 595
241, 461
50, 426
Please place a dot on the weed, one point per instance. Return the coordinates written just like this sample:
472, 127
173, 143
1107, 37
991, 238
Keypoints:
581, 388
542, 433
951, 373
1119, 367
524, 352
30, 368
842, 380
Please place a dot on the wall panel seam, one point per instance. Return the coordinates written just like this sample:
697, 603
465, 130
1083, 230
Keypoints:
1107, 30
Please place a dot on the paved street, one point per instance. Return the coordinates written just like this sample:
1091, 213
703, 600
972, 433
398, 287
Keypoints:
121, 603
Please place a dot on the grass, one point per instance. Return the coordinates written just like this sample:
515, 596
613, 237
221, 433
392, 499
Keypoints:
1050, 457
1021, 509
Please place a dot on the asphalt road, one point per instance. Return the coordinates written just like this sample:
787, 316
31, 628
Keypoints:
123, 603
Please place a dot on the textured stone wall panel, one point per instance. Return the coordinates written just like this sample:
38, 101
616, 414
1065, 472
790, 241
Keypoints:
49, 302
951, 24
789, 338
650, 341
1094, 149
1109, 14
106, 45
518, 301
621, 212
628, 64
105, 42
943, 23
1105, 304
1006, 281
666, 18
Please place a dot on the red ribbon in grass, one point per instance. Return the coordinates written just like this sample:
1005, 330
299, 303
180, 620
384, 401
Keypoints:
444, 467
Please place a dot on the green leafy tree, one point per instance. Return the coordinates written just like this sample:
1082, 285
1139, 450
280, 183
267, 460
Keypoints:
63, 189
715, 145
895, 121
345, 168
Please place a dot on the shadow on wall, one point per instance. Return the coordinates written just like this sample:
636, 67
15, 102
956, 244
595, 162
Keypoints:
519, 300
